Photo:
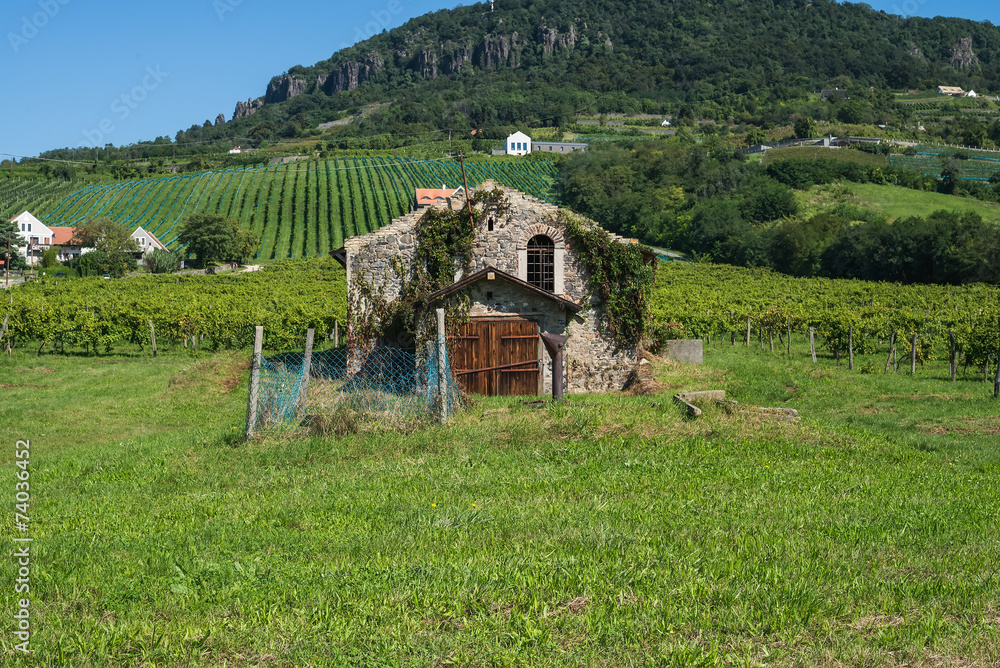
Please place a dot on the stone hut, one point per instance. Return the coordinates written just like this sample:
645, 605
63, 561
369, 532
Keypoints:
525, 281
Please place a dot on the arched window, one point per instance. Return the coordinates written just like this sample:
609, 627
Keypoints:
541, 262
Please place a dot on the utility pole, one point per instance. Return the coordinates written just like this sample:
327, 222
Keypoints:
6, 265
468, 196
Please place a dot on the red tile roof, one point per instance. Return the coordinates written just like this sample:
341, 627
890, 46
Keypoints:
427, 196
62, 236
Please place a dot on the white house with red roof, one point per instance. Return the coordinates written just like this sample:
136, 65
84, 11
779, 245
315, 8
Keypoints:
37, 235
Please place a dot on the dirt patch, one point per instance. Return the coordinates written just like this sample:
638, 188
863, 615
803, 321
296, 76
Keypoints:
12, 387
216, 375
875, 410
944, 397
967, 427
643, 381
876, 622
577, 606
502, 610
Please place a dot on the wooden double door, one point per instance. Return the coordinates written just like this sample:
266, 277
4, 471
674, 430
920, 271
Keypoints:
498, 357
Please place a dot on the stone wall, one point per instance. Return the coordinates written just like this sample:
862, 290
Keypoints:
594, 363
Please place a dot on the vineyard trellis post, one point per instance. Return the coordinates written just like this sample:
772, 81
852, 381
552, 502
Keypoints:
258, 344
996, 379
152, 337
913, 355
306, 367
442, 363
953, 365
812, 343
892, 349
850, 347
748, 331
788, 341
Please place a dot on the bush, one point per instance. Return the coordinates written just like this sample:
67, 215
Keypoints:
162, 262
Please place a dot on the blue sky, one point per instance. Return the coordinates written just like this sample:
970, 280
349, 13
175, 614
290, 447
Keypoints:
86, 72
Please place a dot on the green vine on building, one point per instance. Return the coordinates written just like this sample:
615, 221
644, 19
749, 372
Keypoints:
445, 239
620, 279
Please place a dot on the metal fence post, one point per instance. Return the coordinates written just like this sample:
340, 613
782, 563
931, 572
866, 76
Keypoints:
442, 364
306, 368
258, 344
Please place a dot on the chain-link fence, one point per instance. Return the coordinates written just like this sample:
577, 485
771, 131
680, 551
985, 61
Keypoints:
345, 390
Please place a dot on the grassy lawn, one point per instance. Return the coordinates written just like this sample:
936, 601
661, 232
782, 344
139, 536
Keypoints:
895, 201
610, 530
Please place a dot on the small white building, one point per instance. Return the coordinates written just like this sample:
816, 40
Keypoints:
972, 93
518, 144
147, 242
665, 123
234, 150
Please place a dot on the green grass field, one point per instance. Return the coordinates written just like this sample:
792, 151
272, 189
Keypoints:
895, 201
610, 530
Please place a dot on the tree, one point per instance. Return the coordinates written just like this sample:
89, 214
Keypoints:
50, 257
215, 238
755, 137
805, 127
113, 240
10, 228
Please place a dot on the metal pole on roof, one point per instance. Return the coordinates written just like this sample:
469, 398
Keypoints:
468, 198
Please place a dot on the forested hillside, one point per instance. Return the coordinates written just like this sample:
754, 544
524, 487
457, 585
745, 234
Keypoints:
539, 63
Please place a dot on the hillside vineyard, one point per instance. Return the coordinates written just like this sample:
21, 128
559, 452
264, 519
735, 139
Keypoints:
300, 209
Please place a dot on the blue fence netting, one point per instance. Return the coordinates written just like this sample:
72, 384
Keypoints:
349, 389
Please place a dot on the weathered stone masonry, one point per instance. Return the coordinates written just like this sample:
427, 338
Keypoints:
593, 361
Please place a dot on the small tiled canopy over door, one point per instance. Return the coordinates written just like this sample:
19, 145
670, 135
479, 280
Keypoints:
498, 357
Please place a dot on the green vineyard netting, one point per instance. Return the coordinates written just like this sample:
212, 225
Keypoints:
346, 390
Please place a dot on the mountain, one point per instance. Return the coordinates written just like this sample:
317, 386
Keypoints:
540, 62
530, 61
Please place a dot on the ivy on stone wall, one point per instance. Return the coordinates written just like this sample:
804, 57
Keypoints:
444, 247
620, 280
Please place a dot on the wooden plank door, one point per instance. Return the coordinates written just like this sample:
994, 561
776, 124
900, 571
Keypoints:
516, 346
497, 357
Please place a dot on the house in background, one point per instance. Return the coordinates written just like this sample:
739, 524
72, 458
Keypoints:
147, 242
63, 238
41, 237
518, 144
234, 150
429, 196
954, 91
972, 93
558, 146
827, 93
37, 235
